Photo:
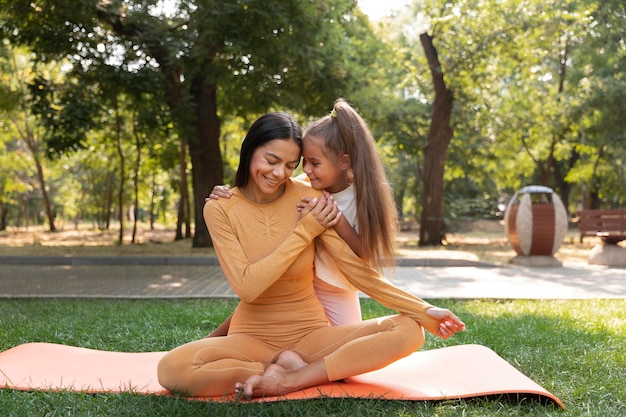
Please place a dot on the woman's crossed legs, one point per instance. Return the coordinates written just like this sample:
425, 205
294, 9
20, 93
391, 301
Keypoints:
242, 364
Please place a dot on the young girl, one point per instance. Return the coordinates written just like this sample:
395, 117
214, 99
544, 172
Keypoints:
340, 157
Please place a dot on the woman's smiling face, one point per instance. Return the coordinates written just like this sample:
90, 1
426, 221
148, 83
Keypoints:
271, 165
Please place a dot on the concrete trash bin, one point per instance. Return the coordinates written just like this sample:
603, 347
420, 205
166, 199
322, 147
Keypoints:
535, 222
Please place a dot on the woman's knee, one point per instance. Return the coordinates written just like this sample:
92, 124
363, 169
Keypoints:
171, 374
166, 372
411, 330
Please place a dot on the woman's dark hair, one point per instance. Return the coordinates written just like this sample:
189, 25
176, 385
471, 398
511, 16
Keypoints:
270, 126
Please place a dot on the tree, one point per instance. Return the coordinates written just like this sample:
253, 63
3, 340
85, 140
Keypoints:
12, 186
555, 111
598, 65
455, 52
252, 56
526, 79
432, 230
17, 96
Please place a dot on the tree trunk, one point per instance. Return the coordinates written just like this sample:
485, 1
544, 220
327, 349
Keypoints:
79, 212
33, 146
184, 193
204, 150
564, 187
26, 212
44, 193
203, 145
432, 227
4, 215
109, 202
120, 152
136, 189
592, 200
152, 204
187, 212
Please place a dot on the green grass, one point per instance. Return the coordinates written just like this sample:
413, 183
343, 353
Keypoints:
574, 349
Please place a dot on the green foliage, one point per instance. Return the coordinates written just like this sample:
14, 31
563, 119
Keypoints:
248, 57
539, 88
518, 113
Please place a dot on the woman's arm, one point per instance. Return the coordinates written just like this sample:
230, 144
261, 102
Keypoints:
222, 329
251, 279
440, 322
343, 226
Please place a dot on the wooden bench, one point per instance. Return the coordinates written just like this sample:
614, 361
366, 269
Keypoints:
609, 225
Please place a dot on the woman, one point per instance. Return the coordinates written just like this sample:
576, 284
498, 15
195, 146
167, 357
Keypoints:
279, 338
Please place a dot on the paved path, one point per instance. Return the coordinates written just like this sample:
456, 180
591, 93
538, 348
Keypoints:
191, 277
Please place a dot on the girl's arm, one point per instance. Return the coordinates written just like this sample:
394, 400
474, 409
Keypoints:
350, 236
343, 228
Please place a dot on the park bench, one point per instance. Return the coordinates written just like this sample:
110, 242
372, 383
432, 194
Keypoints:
609, 225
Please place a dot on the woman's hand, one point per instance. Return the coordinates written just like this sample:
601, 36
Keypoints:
449, 324
324, 209
222, 191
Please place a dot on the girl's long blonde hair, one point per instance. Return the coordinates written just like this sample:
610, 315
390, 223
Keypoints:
345, 132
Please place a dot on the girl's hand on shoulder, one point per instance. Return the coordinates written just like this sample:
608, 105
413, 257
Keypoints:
218, 191
304, 203
324, 209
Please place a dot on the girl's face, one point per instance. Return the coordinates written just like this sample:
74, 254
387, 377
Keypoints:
270, 166
324, 172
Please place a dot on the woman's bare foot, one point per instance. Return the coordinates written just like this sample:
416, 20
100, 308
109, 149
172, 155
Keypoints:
289, 373
271, 383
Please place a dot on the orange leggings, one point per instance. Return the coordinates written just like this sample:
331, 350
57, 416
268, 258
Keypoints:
212, 366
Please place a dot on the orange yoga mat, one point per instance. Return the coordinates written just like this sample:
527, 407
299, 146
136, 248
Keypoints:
454, 372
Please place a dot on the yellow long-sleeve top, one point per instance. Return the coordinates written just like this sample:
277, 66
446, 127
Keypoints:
266, 252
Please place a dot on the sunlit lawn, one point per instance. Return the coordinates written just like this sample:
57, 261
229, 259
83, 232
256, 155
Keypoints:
574, 349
